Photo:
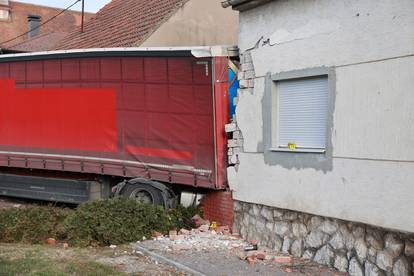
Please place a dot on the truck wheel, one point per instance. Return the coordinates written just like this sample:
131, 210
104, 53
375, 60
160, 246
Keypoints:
143, 193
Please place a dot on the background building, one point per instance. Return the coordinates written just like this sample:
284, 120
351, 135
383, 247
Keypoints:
24, 20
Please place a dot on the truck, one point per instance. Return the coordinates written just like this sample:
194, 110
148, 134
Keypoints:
146, 123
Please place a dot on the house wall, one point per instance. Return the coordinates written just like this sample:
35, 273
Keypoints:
197, 23
367, 173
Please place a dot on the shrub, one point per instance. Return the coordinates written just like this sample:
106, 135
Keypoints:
102, 222
32, 225
115, 221
181, 216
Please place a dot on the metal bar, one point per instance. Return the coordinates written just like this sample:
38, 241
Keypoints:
83, 15
109, 160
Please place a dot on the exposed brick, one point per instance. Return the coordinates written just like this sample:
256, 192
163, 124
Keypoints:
247, 67
218, 206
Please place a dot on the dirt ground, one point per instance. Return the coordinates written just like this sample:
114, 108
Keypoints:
214, 254
9, 202
55, 260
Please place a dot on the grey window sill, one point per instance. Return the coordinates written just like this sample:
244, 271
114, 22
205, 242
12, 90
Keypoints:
299, 150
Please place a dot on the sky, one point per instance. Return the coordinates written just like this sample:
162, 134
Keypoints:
90, 5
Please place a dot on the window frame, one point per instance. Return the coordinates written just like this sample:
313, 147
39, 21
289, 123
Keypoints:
273, 144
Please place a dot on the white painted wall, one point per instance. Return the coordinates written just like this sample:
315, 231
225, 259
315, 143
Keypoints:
371, 45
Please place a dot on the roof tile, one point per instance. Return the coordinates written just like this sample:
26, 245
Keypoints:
122, 23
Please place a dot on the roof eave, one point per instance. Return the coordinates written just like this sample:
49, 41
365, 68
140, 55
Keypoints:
243, 5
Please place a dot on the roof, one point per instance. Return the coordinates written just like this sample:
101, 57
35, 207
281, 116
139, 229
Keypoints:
49, 33
132, 20
44, 42
198, 51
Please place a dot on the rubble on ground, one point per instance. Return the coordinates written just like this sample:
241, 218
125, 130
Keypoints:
210, 237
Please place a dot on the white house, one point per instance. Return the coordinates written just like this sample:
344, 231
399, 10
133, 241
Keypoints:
325, 124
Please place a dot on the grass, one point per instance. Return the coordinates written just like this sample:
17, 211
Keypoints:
45, 261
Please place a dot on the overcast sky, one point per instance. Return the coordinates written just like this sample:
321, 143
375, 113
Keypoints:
90, 5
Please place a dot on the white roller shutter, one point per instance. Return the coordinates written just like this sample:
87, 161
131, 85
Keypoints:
303, 108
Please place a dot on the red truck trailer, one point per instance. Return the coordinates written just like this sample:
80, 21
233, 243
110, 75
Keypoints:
141, 122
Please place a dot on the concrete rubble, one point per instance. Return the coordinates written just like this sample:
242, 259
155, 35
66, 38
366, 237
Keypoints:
204, 238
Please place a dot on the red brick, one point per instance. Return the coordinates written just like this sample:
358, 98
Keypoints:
218, 206
283, 259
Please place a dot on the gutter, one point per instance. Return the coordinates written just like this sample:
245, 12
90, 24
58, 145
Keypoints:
243, 5
228, 3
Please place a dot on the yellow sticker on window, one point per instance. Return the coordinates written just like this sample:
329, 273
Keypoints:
292, 146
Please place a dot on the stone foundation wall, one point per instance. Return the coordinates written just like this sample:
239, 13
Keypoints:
349, 247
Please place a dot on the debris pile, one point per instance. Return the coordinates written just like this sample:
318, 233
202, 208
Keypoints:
210, 236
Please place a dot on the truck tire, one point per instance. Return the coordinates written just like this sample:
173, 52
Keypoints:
143, 193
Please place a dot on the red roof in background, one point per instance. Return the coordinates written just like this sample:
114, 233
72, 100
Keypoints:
122, 23
45, 42
49, 33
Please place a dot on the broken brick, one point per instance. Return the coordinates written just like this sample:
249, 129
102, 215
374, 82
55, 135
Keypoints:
51, 241
156, 234
184, 232
260, 255
173, 233
180, 247
242, 256
283, 259
251, 260
203, 228
223, 229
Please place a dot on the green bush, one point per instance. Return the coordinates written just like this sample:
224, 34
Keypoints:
102, 222
32, 225
181, 216
115, 221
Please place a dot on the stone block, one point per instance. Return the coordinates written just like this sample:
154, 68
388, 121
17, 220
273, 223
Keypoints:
401, 267
341, 262
393, 244
385, 260
372, 270
325, 255
355, 268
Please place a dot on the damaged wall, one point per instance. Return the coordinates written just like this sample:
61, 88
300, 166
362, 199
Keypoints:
367, 173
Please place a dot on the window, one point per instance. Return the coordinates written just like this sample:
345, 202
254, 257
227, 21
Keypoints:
299, 114
34, 25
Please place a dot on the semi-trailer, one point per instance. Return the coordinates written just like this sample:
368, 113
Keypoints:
83, 124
